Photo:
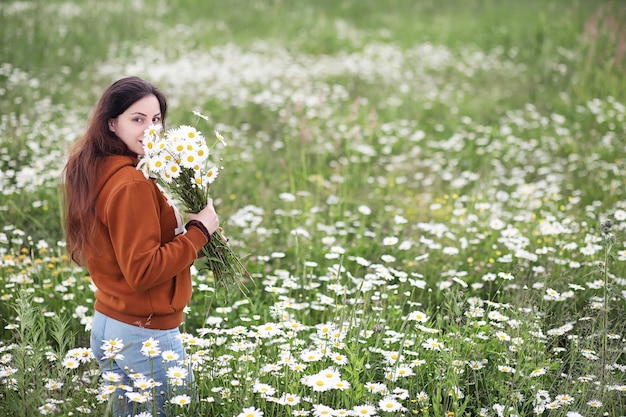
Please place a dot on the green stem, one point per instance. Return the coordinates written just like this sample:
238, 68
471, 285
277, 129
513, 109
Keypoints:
605, 308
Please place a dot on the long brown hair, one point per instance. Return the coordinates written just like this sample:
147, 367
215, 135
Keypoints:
82, 171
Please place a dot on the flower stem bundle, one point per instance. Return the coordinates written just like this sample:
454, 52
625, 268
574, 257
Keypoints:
178, 159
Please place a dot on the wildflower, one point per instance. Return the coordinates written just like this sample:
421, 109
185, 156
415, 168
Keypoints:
297, 367
497, 316
143, 383
400, 393
506, 276
432, 344
169, 356
537, 372
319, 383
506, 369
450, 250
456, 392
250, 412
388, 258
172, 171
220, 138
589, 249
553, 405
177, 382
84, 355
404, 371
320, 410
489, 276
111, 376
151, 352
341, 385
564, 399
503, 336
552, 295
210, 176
152, 131
107, 389
422, 397
264, 389
112, 344
138, 397
559, 331
543, 396
376, 388
190, 340
392, 357
52, 384
177, 372
289, 399
268, 330
70, 363
389, 405
496, 224
339, 358
200, 115
149, 343
270, 368
287, 197
417, 316
594, 403
182, 399
311, 355
47, 408
589, 354
366, 410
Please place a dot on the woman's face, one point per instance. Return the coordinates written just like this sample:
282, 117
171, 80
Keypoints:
130, 125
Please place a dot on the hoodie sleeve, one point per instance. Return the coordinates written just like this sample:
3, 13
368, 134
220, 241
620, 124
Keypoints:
132, 217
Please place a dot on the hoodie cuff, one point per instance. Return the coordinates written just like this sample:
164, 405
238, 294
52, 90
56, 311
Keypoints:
200, 226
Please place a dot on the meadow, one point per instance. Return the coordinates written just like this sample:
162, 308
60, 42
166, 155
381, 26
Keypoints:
429, 196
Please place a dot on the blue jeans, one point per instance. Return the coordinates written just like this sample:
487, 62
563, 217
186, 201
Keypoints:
131, 361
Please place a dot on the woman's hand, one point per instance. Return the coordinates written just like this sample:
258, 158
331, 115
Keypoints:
208, 217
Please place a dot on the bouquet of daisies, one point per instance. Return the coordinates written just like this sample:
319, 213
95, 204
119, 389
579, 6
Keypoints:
179, 160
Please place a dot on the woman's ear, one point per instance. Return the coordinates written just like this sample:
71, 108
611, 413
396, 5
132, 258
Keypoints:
112, 125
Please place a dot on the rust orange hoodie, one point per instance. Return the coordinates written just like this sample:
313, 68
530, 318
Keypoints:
141, 255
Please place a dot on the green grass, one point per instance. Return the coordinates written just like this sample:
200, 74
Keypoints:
456, 159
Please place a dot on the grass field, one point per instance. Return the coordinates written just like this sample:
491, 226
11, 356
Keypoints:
429, 196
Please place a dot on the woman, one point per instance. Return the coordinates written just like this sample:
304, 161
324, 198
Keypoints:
134, 244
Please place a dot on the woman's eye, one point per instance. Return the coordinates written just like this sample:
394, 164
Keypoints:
138, 119
156, 119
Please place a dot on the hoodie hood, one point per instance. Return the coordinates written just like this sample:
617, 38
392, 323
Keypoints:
113, 164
